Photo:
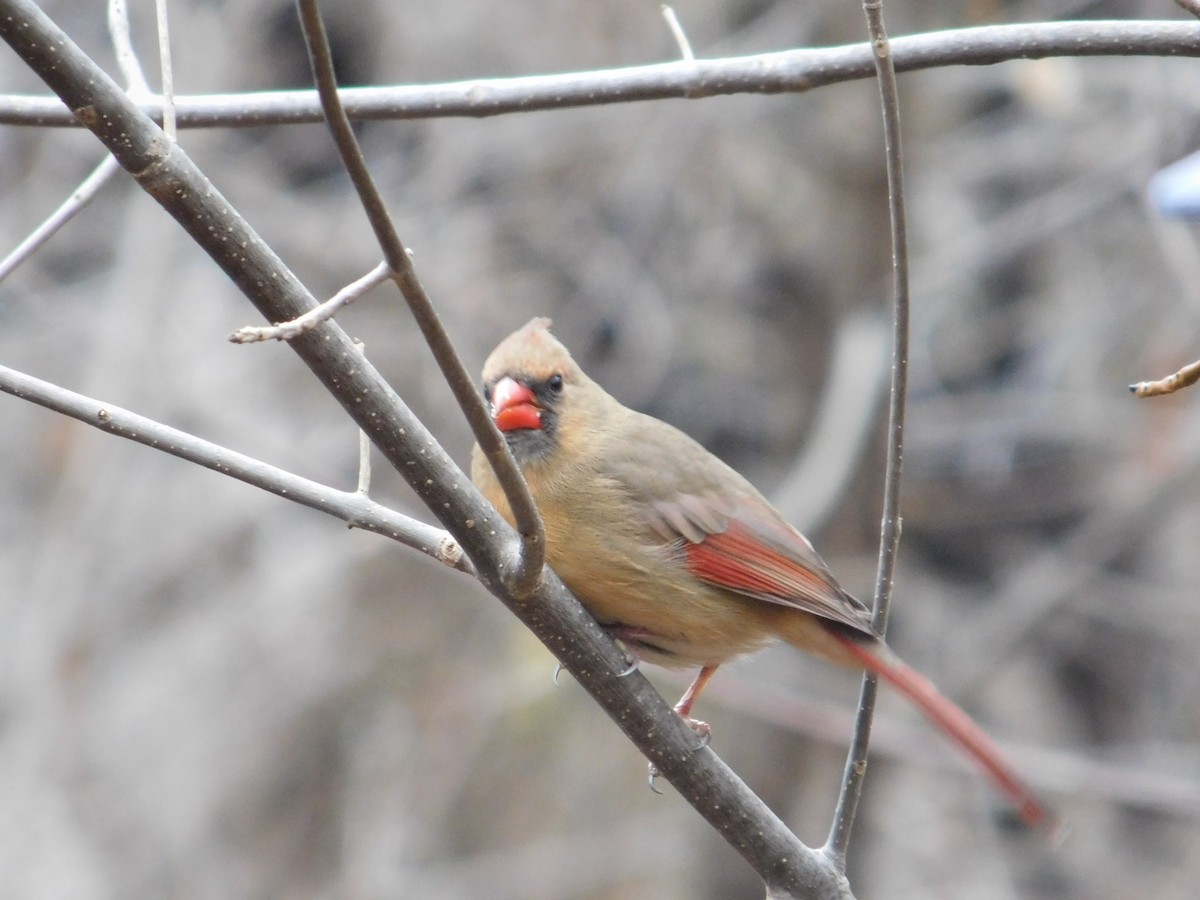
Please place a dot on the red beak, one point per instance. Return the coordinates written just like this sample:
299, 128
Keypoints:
513, 406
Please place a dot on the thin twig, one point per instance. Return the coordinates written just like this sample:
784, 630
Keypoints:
677, 32
135, 84
286, 331
80, 198
352, 507
1185, 377
168, 76
364, 449
527, 570
364, 463
787, 71
127, 60
889, 539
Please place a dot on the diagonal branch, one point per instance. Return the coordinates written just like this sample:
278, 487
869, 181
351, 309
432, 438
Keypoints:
528, 570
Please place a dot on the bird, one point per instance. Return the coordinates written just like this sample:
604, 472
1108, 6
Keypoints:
673, 552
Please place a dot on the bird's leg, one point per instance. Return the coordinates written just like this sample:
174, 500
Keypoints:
684, 706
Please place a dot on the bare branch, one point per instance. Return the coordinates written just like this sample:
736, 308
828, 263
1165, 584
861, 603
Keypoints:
286, 331
127, 61
889, 538
135, 83
1185, 377
364, 464
81, 197
168, 75
788, 71
528, 570
352, 507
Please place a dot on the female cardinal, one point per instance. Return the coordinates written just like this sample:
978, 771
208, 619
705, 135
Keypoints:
674, 552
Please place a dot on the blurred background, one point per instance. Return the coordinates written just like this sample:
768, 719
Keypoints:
208, 692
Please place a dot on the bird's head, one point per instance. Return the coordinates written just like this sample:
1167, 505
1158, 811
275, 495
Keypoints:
534, 390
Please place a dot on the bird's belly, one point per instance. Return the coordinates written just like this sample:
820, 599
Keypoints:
668, 617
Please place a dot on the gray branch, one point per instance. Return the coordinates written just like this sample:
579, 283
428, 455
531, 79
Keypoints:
789, 71
351, 507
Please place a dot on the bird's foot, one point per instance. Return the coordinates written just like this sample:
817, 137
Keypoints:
627, 637
702, 729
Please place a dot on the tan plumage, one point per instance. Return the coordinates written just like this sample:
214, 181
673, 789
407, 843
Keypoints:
671, 549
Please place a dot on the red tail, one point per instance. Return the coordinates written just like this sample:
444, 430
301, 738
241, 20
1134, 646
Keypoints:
958, 726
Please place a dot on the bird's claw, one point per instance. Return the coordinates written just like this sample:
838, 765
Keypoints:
653, 773
558, 668
701, 729
633, 662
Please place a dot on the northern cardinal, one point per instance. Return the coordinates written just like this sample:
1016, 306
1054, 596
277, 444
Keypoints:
674, 552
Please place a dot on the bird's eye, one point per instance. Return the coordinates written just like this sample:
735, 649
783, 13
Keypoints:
555, 384
487, 393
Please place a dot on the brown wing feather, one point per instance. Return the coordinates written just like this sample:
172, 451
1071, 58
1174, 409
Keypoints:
755, 552
729, 534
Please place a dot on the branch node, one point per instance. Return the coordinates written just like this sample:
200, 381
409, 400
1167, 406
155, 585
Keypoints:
449, 552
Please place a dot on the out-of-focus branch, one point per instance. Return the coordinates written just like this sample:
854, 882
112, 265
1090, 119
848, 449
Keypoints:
350, 506
526, 572
79, 198
127, 61
165, 67
854, 384
554, 616
889, 538
788, 71
135, 84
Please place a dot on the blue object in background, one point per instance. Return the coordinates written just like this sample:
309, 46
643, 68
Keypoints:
1175, 190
